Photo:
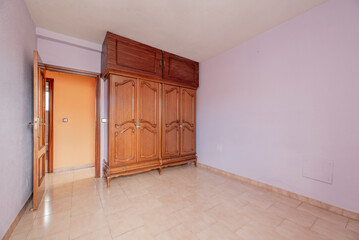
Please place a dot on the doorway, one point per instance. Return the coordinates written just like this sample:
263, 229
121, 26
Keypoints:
73, 119
71, 125
42, 147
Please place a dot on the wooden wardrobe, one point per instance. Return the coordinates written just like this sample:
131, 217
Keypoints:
151, 107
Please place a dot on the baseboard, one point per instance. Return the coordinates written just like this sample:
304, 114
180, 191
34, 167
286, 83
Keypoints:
65, 169
16, 220
297, 196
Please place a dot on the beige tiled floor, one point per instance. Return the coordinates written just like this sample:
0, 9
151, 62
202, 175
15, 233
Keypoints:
183, 203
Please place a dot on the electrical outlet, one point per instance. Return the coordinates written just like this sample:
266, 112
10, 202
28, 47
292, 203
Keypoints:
219, 148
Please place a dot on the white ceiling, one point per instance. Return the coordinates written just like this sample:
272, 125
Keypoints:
196, 29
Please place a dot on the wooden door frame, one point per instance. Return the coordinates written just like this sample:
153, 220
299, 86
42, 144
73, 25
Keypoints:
97, 77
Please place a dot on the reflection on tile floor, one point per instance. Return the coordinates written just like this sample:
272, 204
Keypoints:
183, 203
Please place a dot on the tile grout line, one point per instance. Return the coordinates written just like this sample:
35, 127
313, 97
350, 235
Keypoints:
346, 225
300, 204
281, 222
133, 229
315, 220
270, 206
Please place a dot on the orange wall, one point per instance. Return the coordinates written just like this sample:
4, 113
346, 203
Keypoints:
74, 98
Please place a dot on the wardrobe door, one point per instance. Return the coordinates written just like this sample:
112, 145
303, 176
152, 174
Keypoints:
180, 70
188, 121
122, 120
126, 55
148, 121
171, 119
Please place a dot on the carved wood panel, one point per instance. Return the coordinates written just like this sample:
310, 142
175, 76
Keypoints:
188, 121
171, 120
148, 120
122, 120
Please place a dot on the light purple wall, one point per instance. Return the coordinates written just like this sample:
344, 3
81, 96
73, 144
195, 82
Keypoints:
17, 42
69, 55
286, 97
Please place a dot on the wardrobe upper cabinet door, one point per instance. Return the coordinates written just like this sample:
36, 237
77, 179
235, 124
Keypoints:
179, 69
188, 121
171, 119
148, 121
122, 120
126, 55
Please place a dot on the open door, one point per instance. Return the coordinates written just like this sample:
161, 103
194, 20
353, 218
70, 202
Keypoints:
39, 128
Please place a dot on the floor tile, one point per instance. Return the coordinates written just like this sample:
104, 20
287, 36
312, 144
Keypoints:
292, 230
228, 216
103, 234
302, 218
145, 203
113, 205
193, 220
19, 236
260, 216
353, 225
183, 203
258, 232
45, 227
333, 231
87, 223
137, 233
217, 232
323, 214
291, 202
155, 222
58, 193
55, 206
85, 205
259, 200
178, 232
26, 222
63, 235
124, 221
